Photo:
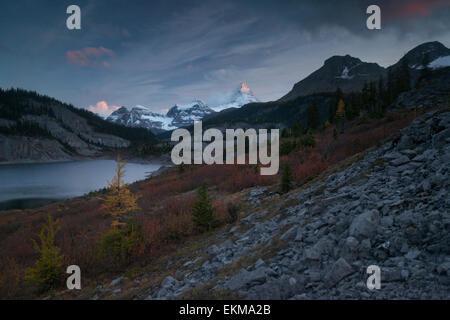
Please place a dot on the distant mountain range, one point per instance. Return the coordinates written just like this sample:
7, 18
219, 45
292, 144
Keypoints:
34, 127
348, 73
179, 115
38, 128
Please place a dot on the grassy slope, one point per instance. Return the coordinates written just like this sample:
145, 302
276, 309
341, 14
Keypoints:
166, 218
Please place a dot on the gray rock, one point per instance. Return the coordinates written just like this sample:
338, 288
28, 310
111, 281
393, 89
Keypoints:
444, 268
117, 281
190, 263
439, 140
387, 221
244, 279
299, 235
392, 275
338, 271
412, 254
365, 225
400, 160
292, 281
322, 247
259, 263
289, 234
169, 282
212, 250
178, 274
351, 243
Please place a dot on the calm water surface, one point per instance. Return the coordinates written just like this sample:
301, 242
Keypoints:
31, 185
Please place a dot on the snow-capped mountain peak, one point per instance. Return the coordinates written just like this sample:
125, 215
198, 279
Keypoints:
184, 115
140, 116
178, 116
242, 96
245, 88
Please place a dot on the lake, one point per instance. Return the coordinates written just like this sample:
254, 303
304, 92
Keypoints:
32, 185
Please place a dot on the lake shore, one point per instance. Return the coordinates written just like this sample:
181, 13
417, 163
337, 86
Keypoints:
32, 184
163, 159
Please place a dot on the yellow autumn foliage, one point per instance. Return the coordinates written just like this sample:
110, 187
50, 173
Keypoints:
120, 199
340, 112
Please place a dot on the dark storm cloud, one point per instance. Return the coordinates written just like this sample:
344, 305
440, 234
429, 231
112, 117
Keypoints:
159, 53
399, 15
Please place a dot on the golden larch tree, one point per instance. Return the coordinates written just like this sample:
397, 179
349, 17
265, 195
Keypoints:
340, 114
120, 200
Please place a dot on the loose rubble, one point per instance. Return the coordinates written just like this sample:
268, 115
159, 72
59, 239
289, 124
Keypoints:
390, 209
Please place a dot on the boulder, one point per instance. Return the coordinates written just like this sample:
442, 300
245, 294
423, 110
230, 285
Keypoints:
338, 271
365, 224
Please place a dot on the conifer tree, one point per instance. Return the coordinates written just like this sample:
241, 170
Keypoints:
203, 211
404, 77
338, 95
313, 115
297, 129
340, 114
425, 71
49, 269
308, 140
390, 87
286, 179
120, 201
335, 134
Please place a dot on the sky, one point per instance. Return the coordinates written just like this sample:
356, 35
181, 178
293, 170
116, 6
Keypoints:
162, 53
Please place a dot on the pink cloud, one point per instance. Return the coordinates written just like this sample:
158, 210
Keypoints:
102, 108
90, 56
417, 8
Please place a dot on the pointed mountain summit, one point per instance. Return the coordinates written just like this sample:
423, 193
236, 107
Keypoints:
184, 115
345, 72
178, 116
241, 96
140, 116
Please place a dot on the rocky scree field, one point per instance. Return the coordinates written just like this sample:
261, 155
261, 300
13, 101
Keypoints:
389, 207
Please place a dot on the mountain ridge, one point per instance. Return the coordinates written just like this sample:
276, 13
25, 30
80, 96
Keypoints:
349, 73
179, 115
34, 127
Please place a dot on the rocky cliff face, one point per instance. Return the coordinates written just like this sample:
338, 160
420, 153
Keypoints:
185, 115
432, 91
25, 149
350, 74
415, 58
345, 72
389, 209
38, 128
178, 116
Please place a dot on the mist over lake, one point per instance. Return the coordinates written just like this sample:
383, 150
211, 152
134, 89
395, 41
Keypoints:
31, 185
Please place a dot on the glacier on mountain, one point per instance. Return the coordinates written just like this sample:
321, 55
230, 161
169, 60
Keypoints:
179, 115
242, 96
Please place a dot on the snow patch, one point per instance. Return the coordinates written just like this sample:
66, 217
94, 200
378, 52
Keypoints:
440, 62
242, 96
344, 75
